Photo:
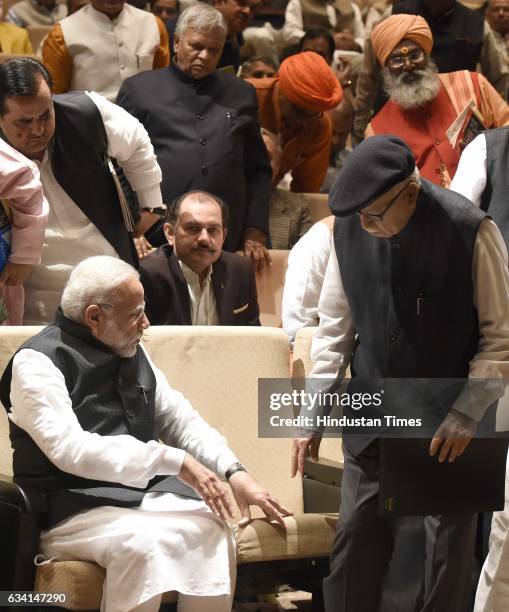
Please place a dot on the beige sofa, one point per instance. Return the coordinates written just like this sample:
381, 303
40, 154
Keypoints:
218, 369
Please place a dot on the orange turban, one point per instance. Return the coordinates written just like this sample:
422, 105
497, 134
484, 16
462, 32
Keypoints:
308, 81
389, 32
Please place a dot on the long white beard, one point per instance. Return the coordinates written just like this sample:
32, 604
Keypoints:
413, 94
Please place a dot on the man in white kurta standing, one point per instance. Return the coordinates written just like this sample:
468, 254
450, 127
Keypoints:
121, 456
69, 137
102, 44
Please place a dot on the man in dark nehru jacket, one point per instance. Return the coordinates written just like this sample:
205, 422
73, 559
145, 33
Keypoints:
204, 127
415, 288
190, 280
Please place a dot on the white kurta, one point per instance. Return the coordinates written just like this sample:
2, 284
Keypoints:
169, 542
70, 235
122, 47
304, 278
493, 589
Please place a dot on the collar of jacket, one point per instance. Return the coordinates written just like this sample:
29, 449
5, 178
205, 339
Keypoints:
186, 78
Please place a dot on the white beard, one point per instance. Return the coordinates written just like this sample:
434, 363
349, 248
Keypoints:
413, 94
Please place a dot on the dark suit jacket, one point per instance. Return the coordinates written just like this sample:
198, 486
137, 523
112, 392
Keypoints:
206, 136
167, 296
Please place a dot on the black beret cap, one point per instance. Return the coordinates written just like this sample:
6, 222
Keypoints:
371, 169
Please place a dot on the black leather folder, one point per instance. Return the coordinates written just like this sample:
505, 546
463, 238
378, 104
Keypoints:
412, 483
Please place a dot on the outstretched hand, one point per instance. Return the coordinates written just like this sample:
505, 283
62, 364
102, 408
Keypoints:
248, 492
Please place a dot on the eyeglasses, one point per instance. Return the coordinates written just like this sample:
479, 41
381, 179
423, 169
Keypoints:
133, 317
380, 216
396, 62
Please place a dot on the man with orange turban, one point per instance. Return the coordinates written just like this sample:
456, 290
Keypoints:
294, 105
435, 114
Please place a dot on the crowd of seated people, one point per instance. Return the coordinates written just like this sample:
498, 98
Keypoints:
184, 137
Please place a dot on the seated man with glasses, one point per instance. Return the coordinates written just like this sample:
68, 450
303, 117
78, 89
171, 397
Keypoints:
190, 280
435, 114
293, 105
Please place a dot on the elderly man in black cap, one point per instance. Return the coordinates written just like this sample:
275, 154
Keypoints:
416, 287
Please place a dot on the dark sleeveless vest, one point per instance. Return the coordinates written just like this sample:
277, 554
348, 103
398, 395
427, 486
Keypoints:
494, 197
411, 296
110, 396
79, 165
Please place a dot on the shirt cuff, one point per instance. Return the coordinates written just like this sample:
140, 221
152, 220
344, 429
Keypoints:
225, 460
476, 397
172, 461
150, 197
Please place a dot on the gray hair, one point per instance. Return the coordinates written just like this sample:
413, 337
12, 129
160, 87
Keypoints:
94, 281
200, 16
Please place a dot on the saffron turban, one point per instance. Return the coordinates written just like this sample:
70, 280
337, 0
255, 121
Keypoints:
307, 81
391, 31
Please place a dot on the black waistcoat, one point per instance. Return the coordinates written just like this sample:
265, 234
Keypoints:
411, 296
110, 395
494, 197
80, 167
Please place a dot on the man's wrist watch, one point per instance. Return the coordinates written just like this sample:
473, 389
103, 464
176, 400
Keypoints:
235, 467
157, 210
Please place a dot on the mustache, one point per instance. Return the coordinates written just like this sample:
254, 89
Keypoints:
204, 249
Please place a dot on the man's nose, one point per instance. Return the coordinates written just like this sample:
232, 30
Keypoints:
203, 236
144, 322
408, 65
37, 128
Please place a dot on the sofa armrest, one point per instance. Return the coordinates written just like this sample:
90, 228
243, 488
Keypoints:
322, 485
20, 510
14, 495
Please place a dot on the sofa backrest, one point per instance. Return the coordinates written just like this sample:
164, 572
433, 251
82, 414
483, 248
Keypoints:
269, 286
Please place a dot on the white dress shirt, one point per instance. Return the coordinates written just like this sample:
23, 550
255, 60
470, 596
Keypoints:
334, 340
470, 177
70, 235
202, 299
304, 278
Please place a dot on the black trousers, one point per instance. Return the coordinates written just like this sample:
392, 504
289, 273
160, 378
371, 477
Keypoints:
365, 542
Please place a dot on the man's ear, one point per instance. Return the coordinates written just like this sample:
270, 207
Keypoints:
169, 233
176, 44
92, 317
413, 192
225, 232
